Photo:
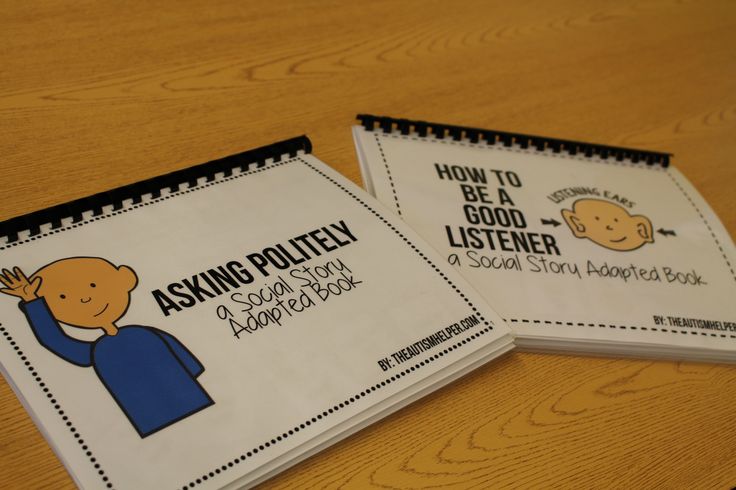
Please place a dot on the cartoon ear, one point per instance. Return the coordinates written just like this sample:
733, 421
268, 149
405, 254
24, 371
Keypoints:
128, 276
644, 228
576, 224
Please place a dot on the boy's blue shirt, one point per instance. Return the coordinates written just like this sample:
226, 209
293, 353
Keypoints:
149, 373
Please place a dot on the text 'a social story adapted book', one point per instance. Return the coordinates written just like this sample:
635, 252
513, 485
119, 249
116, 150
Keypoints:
212, 326
581, 247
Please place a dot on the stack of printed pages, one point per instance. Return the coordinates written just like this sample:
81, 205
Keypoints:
582, 248
210, 327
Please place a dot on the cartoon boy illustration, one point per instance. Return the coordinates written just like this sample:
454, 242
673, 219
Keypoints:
148, 372
608, 224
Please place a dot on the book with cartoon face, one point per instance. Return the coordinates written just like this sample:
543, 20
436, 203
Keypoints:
580, 247
210, 327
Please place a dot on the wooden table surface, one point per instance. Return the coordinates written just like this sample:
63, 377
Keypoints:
94, 96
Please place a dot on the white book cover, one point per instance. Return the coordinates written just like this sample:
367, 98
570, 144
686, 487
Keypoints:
208, 328
580, 247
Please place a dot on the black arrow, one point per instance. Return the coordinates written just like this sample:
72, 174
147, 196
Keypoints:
552, 222
666, 232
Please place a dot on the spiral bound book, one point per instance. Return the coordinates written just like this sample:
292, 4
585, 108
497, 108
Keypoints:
581, 247
209, 327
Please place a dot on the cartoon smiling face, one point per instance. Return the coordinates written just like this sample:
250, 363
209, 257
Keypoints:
608, 224
86, 291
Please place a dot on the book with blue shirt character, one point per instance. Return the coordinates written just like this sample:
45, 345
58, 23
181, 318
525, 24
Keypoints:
211, 327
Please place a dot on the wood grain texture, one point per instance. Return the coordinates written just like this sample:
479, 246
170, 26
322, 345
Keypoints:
95, 95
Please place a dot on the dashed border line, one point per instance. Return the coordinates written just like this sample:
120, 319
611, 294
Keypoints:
57, 407
388, 172
364, 393
707, 225
614, 326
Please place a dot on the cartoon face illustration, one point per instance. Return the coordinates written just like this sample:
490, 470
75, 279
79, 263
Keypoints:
86, 292
608, 224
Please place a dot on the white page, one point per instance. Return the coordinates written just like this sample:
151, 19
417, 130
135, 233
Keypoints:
680, 283
279, 387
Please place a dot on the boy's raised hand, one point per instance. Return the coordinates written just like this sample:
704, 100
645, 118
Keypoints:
17, 284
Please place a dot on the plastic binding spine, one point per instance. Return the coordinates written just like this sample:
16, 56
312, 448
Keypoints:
540, 143
184, 178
